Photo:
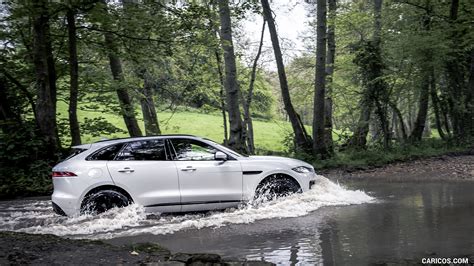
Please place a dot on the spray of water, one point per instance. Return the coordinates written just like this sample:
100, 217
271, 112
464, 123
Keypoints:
37, 217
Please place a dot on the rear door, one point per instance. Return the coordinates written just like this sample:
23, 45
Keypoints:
142, 168
205, 183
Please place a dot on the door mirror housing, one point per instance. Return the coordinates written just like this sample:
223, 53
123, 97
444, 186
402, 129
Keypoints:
220, 156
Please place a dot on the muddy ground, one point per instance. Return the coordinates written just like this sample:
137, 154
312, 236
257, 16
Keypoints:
20, 248
451, 167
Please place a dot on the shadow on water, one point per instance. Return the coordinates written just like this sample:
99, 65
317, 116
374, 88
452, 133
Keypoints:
409, 222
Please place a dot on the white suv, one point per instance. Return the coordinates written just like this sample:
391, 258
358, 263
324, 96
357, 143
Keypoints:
170, 173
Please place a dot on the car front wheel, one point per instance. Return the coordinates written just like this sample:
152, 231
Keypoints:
276, 186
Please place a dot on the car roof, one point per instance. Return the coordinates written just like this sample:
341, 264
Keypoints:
106, 142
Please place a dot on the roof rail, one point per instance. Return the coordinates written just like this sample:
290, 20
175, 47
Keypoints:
144, 137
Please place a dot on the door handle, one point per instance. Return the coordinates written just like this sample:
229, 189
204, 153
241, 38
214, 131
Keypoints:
188, 168
126, 170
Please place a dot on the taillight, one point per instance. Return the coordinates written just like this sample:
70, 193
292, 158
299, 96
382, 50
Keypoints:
63, 174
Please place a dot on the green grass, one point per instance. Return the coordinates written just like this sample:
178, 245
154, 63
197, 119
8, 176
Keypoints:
269, 134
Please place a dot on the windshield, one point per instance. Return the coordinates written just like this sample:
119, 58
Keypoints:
224, 148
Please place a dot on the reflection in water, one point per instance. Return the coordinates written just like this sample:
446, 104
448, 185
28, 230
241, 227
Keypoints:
411, 221
421, 220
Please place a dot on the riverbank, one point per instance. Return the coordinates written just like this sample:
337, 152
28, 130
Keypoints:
448, 167
21, 248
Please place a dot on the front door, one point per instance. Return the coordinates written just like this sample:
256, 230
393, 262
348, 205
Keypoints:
205, 183
142, 168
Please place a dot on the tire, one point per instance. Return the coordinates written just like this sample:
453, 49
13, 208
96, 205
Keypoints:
103, 201
276, 186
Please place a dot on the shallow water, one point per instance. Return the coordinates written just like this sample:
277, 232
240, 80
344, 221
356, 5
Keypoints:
37, 217
330, 224
407, 222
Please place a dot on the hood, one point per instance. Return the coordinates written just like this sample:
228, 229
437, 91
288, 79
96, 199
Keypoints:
289, 161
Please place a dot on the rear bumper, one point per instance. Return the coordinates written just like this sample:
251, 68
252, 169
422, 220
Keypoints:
64, 202
58, 209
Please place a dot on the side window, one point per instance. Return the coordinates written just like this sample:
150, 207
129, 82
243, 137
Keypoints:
74, 152
192, 150
144, 150
106, 154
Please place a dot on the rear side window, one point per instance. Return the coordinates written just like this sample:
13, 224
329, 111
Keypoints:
144, 150
74, 152
106, 154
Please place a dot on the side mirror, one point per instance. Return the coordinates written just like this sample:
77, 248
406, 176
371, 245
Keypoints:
220, 156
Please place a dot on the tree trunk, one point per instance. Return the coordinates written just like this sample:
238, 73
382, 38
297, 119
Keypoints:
399, 116
359, 139
152, 126
222, 96
330, 60
302, 140
236, 139
126, 106
427, 73
74, 78
247, 101
381, 98
470, 95
418, 128
374, 95
319, 145
454, 71
45, 78
435, 102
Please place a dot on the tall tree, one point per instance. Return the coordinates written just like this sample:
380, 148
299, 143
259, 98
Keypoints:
73, 77
45, 76
374, 96
302, 139
455, 72
247, 101
152, 126
222, 95
427, 73
126, 106
319, 144
236, 137
470, 95
330, 61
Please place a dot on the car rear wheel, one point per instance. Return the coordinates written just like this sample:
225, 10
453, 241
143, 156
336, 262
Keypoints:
276, 186
104, 200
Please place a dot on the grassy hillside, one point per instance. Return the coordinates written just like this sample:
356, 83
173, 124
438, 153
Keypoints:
269, 135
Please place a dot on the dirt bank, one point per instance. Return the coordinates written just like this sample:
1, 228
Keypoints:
21, 248
451, 167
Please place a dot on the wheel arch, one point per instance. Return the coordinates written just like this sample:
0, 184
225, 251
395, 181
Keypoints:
107, 187
269, 176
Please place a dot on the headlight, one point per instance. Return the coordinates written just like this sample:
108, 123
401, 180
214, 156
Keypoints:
302, 169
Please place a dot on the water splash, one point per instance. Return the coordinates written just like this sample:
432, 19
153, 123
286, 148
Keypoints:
37, 216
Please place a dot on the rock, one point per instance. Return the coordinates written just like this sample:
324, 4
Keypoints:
196, 258
134, 253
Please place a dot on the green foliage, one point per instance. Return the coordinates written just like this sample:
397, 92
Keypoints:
99, 126
376, 156
23, 169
